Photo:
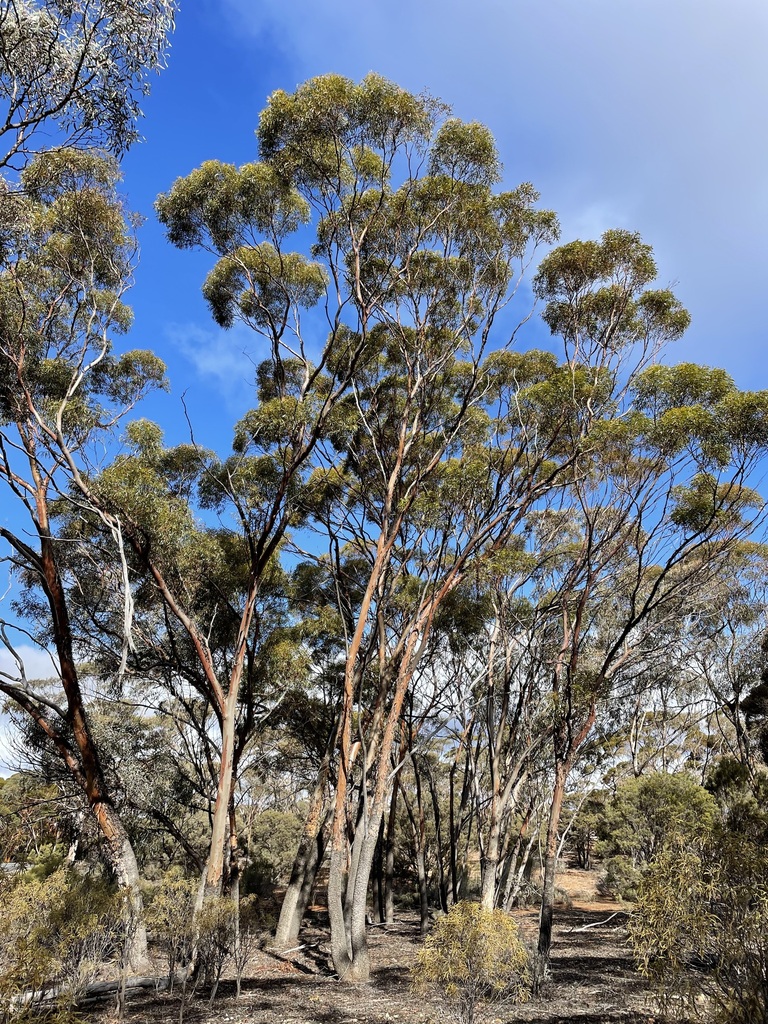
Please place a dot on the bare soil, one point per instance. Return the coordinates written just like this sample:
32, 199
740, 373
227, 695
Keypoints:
593, 978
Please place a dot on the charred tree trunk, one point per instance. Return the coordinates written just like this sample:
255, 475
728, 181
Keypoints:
416, 819
378, 877
442, 881
389, 858
544, 946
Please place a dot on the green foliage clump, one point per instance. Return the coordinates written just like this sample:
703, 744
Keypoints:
274, 838
170, 919
645, 814
621, 877
56, 932
212, 936
701, 924
215, 932
476, 957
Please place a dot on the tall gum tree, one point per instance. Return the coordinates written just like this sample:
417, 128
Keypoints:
67, 256
329, 153
452, 452
659, 499
442, 255
417, 268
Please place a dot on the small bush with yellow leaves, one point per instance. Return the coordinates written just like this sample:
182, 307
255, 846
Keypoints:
56, 933
477, 958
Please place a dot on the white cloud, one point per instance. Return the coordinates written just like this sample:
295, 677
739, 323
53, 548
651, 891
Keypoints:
220, 358
38, 664
644, 111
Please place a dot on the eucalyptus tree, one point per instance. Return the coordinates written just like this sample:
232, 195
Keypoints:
429, 467
513, 730
72, 72
725, 647
330, 156
66, 262
659, 498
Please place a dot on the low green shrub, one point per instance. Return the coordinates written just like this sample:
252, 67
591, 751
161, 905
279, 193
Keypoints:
475, 956
620, 878
56, 933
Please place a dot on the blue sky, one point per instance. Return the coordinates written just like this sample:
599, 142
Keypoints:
642, 114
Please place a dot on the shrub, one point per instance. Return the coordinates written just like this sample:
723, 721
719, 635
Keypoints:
476, 957
620, 878
216, 926
701, 925
170, 918
55, 935
645, 812
275, 836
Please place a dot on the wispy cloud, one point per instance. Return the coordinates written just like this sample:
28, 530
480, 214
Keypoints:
641, 114
38, 664
220, 358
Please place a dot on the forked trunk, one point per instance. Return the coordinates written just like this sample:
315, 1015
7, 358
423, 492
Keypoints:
341, 951
359, 970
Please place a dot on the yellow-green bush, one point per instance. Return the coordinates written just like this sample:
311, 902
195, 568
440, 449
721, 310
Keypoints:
475, 956
700, 929
55, 935
170, 909
209, 935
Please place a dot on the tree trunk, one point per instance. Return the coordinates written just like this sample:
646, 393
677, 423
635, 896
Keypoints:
421, 873
355, 851
215, 870
341, 952
122, 861
389, 858
359, 970
297, 896
378, 877
88, 772
541, 969
457, 819
489, 865
517, 859
418, 830
442, 882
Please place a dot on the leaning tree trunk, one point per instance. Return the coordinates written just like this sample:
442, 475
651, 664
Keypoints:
297, 896
88, 772
221, 832
122, 861
305, 866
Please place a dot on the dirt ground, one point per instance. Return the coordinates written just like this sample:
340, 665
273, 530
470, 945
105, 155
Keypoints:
593, 979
